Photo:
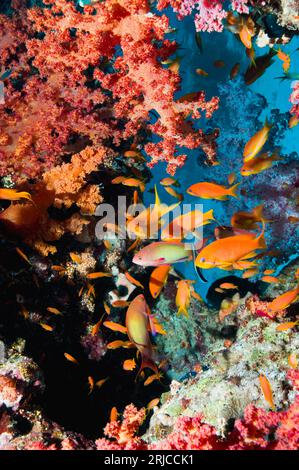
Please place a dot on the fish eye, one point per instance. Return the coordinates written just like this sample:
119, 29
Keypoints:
202, 260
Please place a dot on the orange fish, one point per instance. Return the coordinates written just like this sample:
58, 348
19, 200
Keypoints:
113, 414
293, 360
228, 285
231, 178
153, 403
259, 164
267, 390
287, 325
101, 382
270, 279
152, 378
245, 36
256, 143
115, 327
228, 306
129, 364
54, 310
91, 384
70, 358
293, 122
201, 72
169, 181
133, 280
120, 303
137, 322
14, 195
158, 279
134, 182
293, 219
118, 344
186, 223
283, 301
249, 273
46, 327
57, 268
207, 190
98, 275
231, 252
269, 271
22, 254
183, 295
173, 193
75, 258
235, 70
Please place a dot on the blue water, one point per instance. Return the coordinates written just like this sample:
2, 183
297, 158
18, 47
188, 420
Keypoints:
243, 110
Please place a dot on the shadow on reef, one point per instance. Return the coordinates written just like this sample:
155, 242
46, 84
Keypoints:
67, 399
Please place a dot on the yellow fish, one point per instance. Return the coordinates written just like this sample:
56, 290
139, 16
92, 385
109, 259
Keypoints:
256, 143
183, 296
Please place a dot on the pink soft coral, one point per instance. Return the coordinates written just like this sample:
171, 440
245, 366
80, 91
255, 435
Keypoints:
209, 14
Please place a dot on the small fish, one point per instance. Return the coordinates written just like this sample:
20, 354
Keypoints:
219, 290
90, 384
228, 285
134, 154
120, 303
173, 193
285, 58
134, 182
107, 308
24, 312
169, 181
219, 64
129, 364
183, 295
196, 296
70, 358
185, 224
115, 327
134, 245
98, 275
158, 279
14, 195
101, 382
152, 378
117, 344
269, 271
245, 35
208, 190
267, 390
287, 325
256, 143
113, 414
259, 164
229, 306
96, 328
294, 120
91, 290
152, 404
22, 254
133, 280
231, 178
249, 273
201, 72
235, 70
46, 327
293, 219
137, 323
118, 180
58, 268
270, 279
54, 310
251, 55
283, 301
75, 258
293, 360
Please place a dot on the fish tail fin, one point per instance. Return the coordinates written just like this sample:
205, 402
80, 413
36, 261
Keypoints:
233, 189
147, 362
184, 311
261, 238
